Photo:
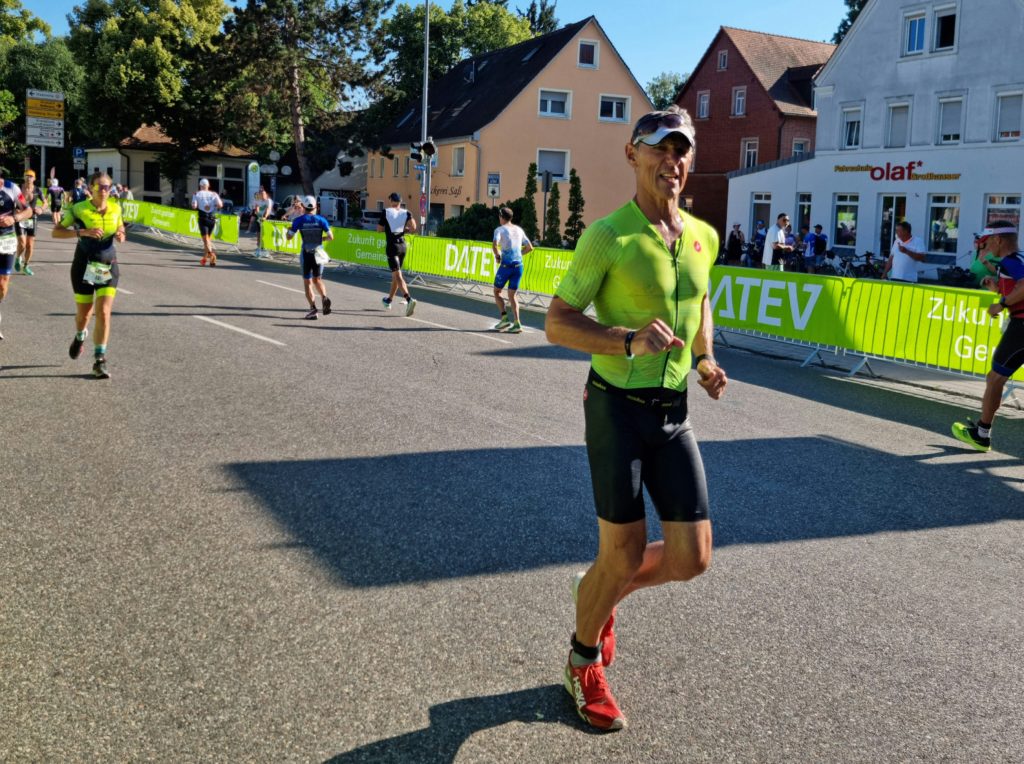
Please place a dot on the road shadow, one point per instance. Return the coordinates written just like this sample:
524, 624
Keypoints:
546, 352
399, 519
454, 722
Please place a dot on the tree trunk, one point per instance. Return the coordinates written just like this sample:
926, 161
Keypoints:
298, 127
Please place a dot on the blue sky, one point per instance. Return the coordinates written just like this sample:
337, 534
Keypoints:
653, 36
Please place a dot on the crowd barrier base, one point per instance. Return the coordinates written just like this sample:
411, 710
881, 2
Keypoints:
179, 239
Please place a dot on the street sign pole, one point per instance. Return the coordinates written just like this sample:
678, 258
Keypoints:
425, 188
42, 167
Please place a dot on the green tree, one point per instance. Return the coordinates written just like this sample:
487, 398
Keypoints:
552, 220
46, 65
477, 223
18, 24
541, 17
664, 88
158, 67
574, 224
527, 212
854, 7
315, 53
9, 113
456, 34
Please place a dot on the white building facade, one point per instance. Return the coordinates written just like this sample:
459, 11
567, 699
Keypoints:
919, 119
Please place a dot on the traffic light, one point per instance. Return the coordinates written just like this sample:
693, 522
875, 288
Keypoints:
429, 148
415, 152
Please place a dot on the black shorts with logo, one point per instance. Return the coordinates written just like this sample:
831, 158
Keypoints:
1009, 353
640, 439
207, 223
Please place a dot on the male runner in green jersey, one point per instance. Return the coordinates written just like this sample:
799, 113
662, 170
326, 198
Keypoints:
645, 269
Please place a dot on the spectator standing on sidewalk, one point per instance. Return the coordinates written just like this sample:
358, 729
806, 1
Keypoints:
775, 247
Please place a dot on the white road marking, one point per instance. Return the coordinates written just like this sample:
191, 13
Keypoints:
453, 329
121, 290
290, 289
240, 331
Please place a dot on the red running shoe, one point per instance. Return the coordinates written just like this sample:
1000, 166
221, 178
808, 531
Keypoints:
593, 699
607, 633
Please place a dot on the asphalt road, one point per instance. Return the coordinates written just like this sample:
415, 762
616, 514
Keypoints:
268, 539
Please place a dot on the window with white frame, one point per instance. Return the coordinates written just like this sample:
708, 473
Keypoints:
945, 29
394, 167
739, 101
950, 119
554, 103
844, 224
800, 147
1002, 207
943, 222
899, 124
459, 161
1008, 116
381, 168
554, 161
913, 34
587, 57
614, 109
723, 60
703, 104
407, 161
761, 210
748, 152
803, 211
851, 128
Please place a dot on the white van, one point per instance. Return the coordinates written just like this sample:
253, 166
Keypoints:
370, 219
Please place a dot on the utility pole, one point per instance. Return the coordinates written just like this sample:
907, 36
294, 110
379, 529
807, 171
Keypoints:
425, 188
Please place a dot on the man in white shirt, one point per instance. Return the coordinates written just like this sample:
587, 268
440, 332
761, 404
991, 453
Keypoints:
907, 251
775, 247
206, 203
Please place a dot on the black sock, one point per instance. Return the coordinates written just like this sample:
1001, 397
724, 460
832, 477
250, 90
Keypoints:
590, 653
407, 296
984, 425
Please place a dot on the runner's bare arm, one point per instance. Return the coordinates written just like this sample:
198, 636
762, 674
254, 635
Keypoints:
571, 328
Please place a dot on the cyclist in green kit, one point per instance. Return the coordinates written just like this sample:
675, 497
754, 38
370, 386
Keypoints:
97, 224
645, 269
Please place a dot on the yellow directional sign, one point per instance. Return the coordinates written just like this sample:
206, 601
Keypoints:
37, 107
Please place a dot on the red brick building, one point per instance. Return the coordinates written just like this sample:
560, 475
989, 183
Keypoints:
751, 99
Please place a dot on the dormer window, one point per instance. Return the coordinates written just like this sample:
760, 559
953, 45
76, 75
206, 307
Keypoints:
723, 60
587, 55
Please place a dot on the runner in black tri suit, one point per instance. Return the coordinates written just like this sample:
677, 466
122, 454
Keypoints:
395, 224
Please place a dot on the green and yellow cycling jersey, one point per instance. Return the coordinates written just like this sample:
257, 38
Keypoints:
84, 215
624, 268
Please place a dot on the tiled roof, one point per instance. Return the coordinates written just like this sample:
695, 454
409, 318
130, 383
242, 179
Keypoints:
152, 137
478, 89
785, 66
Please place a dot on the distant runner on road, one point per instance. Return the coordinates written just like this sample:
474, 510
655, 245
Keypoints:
509, 243
12, 210
312, 227
206, 203
97, 224
55, 194
395, 224
645, 269
1000, 238
36, 202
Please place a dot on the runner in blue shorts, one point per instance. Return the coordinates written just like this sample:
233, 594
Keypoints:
313, 228
13, 210
509, 245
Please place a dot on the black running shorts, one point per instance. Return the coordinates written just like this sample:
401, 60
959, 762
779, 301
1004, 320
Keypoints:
311, 269
1009, 355
83, 288
395, 261
632, 445
206, 224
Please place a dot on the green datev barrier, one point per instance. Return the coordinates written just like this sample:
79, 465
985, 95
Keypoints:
938, 327
447, 258
177, 221
942, 328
